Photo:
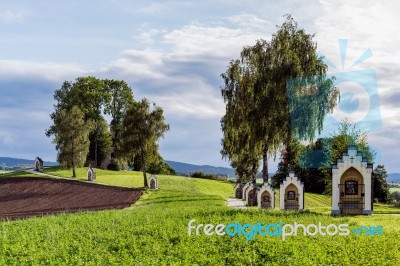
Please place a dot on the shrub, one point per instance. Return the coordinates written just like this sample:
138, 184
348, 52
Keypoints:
207, 176
113, 165
396, 195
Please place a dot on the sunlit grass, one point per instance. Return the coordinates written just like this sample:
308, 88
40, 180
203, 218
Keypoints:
154, 231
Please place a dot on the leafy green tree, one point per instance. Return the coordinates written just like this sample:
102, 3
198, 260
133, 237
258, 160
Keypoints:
160, 167
121, 97
380, 185
277, 91
239, 144
301, 85
89, 94
143, 126
102, 138
71, 138
313, 163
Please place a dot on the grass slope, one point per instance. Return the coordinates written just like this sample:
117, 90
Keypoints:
154, 232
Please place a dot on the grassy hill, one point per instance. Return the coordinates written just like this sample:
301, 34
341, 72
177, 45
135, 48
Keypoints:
154, 231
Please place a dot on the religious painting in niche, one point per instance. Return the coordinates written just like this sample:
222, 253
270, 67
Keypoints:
291, 195
266, 198
351, 187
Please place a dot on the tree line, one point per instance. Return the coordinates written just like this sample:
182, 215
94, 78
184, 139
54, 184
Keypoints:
83, 136
277, 95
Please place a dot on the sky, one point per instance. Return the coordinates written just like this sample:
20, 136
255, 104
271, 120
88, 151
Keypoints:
173, 53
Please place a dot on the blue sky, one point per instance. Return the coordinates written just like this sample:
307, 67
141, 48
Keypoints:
173, 53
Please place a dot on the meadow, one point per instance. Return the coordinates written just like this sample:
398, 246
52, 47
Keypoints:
393, 189
154, 231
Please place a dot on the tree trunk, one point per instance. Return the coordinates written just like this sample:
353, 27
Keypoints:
265, 164
72, 160
144, 168
95, 152
254, 172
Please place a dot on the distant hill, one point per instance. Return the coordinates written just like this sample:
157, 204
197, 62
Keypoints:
185, 168
394, 177
14, 162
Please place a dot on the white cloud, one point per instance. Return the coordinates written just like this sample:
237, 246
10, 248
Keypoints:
49, 71
8, 16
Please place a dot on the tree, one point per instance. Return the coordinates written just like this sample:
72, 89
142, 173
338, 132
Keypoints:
277, 91
102, 138
90, 95
142, 127
314, 162
121, 97
302, 87
380, 185
71, 138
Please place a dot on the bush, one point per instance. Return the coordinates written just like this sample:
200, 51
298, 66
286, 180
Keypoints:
161, 168
207, 176
113, 165
396, 195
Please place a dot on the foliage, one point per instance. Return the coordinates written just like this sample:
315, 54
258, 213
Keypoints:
160, 167
396, 195
100, 142
89, 95
71, 138
239, 144
313, 163
113, 165
381, 187
207, 176
121, 98
276, 91
142, 129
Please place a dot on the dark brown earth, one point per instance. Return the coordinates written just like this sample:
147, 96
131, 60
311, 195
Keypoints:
24, 197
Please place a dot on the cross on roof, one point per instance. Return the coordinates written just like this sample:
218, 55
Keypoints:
351, 158
291, 178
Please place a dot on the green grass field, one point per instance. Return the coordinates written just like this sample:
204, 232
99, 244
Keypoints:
154, 231
393, 189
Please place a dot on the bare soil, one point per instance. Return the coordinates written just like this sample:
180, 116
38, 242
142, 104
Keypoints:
25, 197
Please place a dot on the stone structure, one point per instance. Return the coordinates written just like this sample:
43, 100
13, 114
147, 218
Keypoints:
291, 193
266, 197
352, 184
38, 164
238, 191
91, 174
250, 196
245, 187
153, 182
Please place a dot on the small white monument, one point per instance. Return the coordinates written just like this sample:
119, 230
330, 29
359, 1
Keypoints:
291, 194
91, 174
266, 197
351, 184
38, 164
238, 190
153, 182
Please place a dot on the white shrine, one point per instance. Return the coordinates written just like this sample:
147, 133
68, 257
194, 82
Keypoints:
291, 196
351, 184
153, 182
266, 197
